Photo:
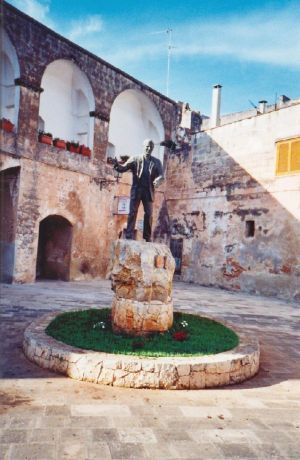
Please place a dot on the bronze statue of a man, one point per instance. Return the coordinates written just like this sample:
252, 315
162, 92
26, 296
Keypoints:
147, 172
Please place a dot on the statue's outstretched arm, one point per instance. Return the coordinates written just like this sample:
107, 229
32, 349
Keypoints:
124, 167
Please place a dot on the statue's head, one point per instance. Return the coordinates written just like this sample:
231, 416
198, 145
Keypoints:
148, 146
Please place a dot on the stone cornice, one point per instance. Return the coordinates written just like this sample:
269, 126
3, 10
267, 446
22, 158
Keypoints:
99, 115
27, 84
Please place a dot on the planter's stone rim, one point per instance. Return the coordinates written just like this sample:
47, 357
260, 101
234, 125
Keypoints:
190, 372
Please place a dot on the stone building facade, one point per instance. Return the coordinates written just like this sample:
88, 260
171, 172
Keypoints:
230, 206
58, 214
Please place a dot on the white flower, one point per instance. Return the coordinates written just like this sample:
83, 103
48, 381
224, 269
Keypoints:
100, 324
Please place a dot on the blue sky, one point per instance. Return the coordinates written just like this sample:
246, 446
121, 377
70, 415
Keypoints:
251, 47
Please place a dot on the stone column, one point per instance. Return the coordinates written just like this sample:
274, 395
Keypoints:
100, 135
142, 275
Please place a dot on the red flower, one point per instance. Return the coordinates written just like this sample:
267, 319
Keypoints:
137, 344
180, 336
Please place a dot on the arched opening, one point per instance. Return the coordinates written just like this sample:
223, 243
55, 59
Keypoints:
9, 193
9, 71
133, 119
54, 249
66, 103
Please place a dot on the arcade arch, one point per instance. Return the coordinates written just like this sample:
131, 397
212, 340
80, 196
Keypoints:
66, 103
133, 119
9, 72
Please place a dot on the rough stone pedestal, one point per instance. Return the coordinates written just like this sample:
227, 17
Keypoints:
142, 275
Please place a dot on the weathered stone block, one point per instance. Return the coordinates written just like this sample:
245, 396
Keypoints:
142, 275
142, 271
159, 262
139, 318
183, 382
197, 380
183, 369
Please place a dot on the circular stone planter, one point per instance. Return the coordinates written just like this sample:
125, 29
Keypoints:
173, 373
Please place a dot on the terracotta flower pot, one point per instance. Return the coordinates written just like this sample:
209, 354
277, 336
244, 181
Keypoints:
85, 151
72, 148
45, 139
6, 125
60, 144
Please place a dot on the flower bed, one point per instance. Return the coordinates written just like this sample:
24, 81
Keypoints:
190, 335
192, 372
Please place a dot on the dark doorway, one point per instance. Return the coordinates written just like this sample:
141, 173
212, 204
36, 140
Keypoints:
9, 192
176, 245
54, 249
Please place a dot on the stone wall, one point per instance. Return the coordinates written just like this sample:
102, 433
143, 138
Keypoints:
82, 199
220, 181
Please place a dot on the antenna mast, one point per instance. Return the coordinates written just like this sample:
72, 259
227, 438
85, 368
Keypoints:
170, 47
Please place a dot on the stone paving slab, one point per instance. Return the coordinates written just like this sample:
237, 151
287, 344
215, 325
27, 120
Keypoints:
47, 416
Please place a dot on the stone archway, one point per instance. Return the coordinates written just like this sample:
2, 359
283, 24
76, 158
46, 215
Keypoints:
9, 72
134, 118
66, 103
54, 248
9, 192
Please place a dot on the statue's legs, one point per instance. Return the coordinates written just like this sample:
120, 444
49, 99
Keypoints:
148, 216
135, 199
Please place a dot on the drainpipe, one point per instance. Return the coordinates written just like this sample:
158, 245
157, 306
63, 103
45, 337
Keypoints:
215, 107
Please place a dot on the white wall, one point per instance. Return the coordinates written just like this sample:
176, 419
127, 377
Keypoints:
66, 102
252, 144
9, 71
133, 119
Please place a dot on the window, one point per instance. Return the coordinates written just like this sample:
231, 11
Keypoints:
288, 156
250, 228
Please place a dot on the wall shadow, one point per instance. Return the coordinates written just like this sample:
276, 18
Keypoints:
236, 234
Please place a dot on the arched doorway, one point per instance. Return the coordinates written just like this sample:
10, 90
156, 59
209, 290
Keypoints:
9, 192
134, 118
54, 249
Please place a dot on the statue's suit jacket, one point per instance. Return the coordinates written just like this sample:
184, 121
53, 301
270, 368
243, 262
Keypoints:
136, 165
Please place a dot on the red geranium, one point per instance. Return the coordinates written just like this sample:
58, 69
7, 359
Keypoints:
180, 336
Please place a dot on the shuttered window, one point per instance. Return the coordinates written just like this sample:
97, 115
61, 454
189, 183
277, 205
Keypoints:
295, 155
288, 156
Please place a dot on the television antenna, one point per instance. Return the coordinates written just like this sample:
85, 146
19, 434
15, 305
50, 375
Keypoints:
170, 47
252, 103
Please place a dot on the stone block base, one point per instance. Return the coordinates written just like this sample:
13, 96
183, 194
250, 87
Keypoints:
141, 318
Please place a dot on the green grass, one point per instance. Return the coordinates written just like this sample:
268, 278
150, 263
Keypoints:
205, 336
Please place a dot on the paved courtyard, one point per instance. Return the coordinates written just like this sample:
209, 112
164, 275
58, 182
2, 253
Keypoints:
47, 416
